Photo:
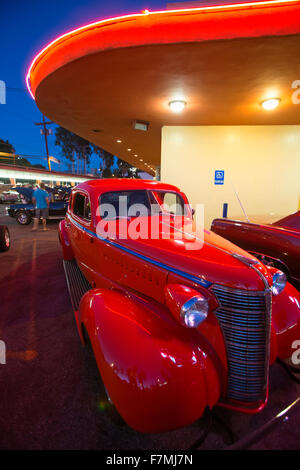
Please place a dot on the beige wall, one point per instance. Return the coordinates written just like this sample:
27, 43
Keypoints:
261, 162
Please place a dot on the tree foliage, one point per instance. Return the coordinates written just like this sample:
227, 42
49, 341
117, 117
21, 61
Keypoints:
7, 147
72, 144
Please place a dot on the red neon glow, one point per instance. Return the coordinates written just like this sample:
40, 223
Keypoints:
149, 13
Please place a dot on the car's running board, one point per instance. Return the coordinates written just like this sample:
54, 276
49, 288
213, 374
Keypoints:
78, 285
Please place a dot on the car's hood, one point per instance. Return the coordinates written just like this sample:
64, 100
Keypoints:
25, 192
202, 254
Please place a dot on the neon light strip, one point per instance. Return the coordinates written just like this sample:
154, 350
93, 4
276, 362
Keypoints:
201, 282
39, 176
147, 13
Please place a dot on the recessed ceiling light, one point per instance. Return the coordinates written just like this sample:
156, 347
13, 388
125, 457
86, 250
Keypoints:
119, 141
128, 150
270, 103
141, 159
177, 106
135, 155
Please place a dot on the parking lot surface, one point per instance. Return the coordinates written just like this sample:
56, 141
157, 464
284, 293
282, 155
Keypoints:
51, 393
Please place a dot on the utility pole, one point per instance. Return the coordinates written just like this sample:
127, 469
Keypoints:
45, 131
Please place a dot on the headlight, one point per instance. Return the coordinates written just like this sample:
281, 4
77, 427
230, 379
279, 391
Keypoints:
279, 282
194, 311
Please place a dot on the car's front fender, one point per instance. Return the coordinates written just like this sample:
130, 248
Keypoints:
286, 321
159, 374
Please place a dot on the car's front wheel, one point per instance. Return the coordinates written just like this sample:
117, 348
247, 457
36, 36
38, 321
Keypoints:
4, 238
23, 218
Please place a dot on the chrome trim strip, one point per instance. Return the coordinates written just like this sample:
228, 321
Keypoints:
268, 295
201, 282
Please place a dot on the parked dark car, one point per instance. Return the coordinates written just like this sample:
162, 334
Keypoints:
24, 212
4, 238
8, 196
276, 244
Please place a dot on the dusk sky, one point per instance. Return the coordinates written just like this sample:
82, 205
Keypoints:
26, 27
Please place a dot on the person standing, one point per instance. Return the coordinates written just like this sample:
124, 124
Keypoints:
40, 200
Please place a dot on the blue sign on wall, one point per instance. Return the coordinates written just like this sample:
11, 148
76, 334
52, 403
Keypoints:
219, 176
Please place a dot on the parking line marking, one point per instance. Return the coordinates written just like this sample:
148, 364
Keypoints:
12, 274
32, 324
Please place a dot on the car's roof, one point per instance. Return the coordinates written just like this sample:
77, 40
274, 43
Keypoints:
124, 184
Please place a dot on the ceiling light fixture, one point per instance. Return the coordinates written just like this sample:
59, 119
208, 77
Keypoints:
270, 103
177, 106
119, 141
128, 150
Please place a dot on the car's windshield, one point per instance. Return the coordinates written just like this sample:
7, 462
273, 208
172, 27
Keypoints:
140, 202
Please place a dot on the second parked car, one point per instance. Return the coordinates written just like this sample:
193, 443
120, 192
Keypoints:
24, 212
276, 244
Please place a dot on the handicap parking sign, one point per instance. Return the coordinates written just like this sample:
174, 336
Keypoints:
219, 176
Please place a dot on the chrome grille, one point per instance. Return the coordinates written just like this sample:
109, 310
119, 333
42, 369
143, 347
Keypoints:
243, 316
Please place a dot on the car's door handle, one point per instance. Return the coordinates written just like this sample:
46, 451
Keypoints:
91, 238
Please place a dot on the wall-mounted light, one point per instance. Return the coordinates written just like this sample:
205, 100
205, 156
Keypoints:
270, 103
177, 106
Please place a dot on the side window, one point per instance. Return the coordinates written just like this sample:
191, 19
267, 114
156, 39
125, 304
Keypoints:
70, 201
82, 206
87, 209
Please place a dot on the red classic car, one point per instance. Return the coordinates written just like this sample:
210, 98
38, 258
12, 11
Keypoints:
174, 328
276, 244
